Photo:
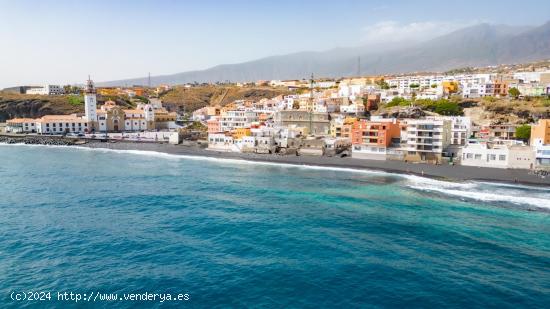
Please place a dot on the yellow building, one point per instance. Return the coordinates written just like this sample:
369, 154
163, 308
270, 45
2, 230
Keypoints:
342, 129
239, 133
540, 133
450, 87
108, 91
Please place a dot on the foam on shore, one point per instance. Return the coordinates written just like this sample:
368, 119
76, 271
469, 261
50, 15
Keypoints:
484, 191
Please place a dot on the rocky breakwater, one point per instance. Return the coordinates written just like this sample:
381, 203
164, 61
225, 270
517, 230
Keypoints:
37, 140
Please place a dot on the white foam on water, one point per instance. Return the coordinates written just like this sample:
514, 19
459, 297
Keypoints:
483, 191
235, 161
243, 161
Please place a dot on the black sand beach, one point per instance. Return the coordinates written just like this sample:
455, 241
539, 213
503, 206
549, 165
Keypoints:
445, 172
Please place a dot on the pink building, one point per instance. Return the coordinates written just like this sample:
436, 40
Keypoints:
213, 125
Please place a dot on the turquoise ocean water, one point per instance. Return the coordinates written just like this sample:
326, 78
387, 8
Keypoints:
236, 234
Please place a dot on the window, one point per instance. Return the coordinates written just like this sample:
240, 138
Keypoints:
469, 155
478, 156
492, 157
502, 157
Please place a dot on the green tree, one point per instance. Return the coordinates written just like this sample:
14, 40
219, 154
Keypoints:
383, 84
434, 86
523, 132
414, 85
398, 101
448, 108
514, 92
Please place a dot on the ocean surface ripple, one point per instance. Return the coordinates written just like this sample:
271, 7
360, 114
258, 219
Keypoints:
232, 233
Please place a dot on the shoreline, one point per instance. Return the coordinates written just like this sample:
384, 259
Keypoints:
440, 172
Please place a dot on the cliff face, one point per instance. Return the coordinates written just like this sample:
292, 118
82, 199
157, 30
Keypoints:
29, 106
35, 106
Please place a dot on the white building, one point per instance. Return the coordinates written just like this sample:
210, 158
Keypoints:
46, 90
61, 124
542, 154
235, 119
486, 154
221, 142
461, 128
21, 125
427, 139
352, 109
348, 90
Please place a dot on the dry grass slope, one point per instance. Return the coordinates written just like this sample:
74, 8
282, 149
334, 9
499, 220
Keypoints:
191, 99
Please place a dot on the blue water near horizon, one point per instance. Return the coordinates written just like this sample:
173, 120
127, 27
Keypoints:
235, 234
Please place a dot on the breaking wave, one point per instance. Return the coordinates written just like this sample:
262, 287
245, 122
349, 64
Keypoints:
532, 196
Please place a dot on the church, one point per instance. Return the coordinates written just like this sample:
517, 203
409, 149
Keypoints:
113, 118
109, 118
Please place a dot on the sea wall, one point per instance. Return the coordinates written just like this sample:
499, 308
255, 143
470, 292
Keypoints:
36, 140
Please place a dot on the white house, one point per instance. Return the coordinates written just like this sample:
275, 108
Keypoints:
221, 142
486, 154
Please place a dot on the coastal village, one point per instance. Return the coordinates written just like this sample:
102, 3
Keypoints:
328, 117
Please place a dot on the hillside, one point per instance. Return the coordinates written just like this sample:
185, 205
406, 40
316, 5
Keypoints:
479, 45
482, 111
190, 99
35, 106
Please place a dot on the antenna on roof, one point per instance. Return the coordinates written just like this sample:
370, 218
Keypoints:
149, 80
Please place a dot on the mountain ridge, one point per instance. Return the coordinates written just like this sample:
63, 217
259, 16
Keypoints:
478, 45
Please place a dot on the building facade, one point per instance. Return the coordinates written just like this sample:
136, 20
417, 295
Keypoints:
427, 139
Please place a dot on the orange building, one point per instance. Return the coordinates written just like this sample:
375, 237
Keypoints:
375, 133
540, 133
139, 91
500, 88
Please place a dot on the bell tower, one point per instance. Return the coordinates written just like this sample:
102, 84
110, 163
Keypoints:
90, 104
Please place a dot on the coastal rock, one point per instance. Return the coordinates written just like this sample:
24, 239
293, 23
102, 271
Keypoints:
37, 140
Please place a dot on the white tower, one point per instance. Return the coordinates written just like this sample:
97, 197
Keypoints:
149, 112
90, 103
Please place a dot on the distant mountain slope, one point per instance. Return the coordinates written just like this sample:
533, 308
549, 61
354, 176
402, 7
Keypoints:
478, 45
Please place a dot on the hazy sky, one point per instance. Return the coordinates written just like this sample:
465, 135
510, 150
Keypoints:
63, 41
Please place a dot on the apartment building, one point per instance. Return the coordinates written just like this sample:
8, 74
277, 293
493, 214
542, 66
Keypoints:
312, 122
371, 139
233, 119
342, 127
498, 131
461, 129
427, 139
